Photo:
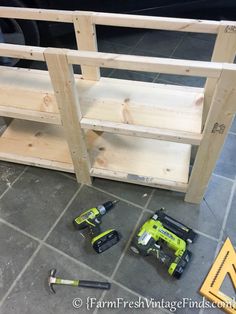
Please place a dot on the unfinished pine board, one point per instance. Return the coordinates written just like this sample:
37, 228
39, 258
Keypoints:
220, 118
63, 81
143, 63
147, 104
224, 51
119, 61
126, 20
22, 52
37, 14
121, 101
37, 144
136, 179
138, 160
27, 94
85, 34
142, 131
155, 22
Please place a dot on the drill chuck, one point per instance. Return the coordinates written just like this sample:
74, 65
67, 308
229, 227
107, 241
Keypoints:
104, 208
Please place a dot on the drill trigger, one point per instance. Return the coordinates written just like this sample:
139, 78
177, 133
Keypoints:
89, 223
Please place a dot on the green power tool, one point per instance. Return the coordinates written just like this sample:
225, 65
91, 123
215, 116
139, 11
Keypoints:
91, 218
166, 239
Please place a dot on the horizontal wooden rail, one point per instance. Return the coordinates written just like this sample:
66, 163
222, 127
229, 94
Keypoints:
37, 14
147, 64
22, 52
112, 19
31, 115
152, 22
142, 131
124, 177
118, 61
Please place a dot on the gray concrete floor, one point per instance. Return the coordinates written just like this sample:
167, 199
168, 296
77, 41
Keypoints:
37, 207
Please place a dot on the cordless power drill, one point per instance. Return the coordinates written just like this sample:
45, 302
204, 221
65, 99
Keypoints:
91, 218
166, 239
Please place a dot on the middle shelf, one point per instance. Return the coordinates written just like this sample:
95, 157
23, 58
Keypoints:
151, 110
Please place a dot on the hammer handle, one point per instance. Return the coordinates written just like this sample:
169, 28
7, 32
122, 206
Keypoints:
94, 284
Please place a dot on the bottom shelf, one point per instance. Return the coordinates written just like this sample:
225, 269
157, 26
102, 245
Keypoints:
118, 157
36, 144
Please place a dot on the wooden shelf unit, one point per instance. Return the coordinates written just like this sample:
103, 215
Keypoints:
135, 132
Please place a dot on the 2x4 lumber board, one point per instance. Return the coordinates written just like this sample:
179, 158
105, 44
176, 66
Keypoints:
85, 34
63, 82
141, 159
126, 20
141, 131
118, 61
27, 94
224, 51
31, 115
218, 122
147, 181
36, 14
147, 64
36, 144
151, 22
22, 52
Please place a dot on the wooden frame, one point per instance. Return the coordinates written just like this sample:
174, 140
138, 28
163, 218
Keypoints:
128, 131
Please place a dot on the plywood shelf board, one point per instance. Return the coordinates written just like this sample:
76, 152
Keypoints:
169, 108
27, 89
147, 104
139, 157
138, 160
25, 78
35, 144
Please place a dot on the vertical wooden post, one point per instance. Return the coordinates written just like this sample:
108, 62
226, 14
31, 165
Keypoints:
62, 78
218, 122
85, 32
224, 51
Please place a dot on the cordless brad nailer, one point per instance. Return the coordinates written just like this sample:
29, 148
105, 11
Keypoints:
166, 239
91, 218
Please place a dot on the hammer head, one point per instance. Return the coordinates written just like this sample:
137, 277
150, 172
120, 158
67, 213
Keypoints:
52, 279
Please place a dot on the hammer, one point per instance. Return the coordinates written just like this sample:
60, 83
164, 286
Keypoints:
76, 283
